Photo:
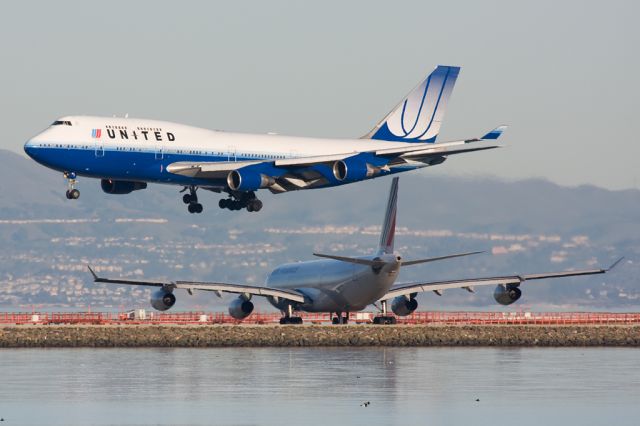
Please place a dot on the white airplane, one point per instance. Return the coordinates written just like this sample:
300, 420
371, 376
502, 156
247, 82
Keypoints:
127, 153
341, 284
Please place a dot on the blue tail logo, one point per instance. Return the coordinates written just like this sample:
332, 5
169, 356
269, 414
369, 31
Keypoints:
419, 116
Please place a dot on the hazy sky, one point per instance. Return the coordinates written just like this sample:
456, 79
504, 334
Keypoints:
564, 75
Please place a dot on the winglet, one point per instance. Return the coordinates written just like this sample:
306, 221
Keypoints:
614, 264
495, 133
95, 277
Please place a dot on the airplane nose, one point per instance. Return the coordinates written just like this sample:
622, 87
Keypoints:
29, 148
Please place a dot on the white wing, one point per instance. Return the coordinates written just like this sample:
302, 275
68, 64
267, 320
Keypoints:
217, 287
436, 286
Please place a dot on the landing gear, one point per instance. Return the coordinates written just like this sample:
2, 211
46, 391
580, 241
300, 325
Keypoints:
340, 319
241, 200
384, 319
288, 317
291, 320
72, 193
191, 199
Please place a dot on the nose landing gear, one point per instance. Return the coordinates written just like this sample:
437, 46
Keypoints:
72, 193
191, 199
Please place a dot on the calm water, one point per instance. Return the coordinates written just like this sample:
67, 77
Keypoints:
246, 386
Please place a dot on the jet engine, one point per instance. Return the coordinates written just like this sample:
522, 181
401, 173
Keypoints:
244, 180
121, 186
240, 308
162, 300
507, 294
403, 305
352, 169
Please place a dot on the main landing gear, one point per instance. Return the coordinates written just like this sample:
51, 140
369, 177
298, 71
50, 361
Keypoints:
191, 199
384, 319
288, 317
72, 192
340, 319
241, 200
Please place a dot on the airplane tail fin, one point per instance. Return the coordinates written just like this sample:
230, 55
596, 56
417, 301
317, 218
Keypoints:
387, 237
419, 116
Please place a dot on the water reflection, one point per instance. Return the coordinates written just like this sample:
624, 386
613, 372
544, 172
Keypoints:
320, 386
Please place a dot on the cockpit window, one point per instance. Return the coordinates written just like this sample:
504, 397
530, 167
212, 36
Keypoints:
61, 123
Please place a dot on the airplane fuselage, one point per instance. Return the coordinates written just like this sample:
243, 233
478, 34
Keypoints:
140, 150
334, 286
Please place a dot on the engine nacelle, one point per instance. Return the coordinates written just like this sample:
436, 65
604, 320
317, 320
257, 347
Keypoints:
353, 169
243, 180
162, 300
402, 306
121, 186
240, 308
507, 294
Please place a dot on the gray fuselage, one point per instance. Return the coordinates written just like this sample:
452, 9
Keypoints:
335, 286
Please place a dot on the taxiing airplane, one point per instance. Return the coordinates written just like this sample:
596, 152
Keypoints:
127, 153
342, 284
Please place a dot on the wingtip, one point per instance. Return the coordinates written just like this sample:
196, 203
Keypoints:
614, 264
495, 133
95, 276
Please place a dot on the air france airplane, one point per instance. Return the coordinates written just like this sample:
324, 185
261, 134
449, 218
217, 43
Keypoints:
127, 153
341, 284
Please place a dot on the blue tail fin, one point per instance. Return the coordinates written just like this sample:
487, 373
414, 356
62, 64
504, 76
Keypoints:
419, 116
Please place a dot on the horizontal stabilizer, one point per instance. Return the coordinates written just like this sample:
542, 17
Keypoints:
434, 259
358, 261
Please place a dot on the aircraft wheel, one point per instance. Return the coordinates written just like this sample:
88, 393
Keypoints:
192, 208
186, 198
250, 207
199, 208
68, 194
223, 203
255, 205
73, 194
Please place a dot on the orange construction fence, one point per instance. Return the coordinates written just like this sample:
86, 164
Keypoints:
140, 316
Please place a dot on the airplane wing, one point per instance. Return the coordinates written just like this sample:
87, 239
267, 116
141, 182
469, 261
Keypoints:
468, 284
217, 287
311, 171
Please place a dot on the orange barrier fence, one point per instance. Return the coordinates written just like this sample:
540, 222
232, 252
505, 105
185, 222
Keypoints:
464, 318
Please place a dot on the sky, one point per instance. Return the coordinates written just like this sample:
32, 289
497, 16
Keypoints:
564, 75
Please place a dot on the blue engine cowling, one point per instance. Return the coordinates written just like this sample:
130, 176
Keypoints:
353, 169
162, 300
403, 306
240, 308
245, 180
111, 186
507, 294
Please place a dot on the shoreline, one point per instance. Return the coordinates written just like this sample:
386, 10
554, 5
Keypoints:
201, 336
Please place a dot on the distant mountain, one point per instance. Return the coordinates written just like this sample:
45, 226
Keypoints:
527, 225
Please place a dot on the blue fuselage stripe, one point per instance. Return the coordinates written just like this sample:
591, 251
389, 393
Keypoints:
150, 166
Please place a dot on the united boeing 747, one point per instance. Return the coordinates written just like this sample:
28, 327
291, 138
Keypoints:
126, 153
